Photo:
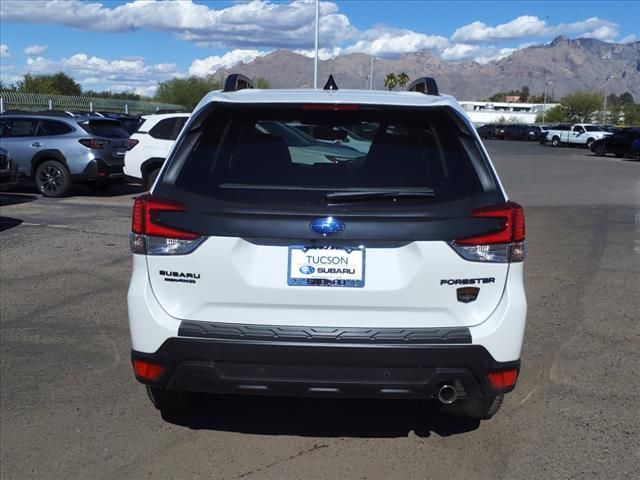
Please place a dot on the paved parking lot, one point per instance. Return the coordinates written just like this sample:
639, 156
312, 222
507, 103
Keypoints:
70, 407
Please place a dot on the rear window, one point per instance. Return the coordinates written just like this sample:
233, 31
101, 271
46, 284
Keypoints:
593, 128
265, 154
168, 129
105, 128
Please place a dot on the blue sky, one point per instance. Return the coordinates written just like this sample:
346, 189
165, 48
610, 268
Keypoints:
132, 45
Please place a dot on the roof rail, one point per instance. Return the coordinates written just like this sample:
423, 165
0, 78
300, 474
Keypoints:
426, 85
237, 81
331, 84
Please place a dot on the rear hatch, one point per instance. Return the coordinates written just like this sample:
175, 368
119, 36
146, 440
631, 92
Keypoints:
111, 130
364, 241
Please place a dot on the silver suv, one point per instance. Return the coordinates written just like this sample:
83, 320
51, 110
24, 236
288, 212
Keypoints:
58, 149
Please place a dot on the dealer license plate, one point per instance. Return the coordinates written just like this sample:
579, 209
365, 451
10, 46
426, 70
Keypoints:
326, 266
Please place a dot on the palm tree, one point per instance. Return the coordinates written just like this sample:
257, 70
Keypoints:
403, 79
390, 81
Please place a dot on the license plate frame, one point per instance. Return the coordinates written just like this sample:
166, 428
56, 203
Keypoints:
356, 260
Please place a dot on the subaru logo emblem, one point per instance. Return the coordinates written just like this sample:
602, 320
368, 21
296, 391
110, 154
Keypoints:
327, 226
307, 269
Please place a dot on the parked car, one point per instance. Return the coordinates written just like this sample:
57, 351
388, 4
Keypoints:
520, 132
491, 131
618, 144
130, 123
149, 146
259, 271
8, 170
578, 134
56, 150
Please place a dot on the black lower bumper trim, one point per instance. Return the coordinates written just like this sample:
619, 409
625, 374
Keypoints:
323, 369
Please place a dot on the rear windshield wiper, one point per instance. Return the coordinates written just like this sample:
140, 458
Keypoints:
365, 196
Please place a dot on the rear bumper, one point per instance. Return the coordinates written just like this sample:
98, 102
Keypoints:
323, 369
98, 169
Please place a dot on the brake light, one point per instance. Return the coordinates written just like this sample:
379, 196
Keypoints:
506, 244
93, 143
504, 379
147, 371
333, 107
130, 143
150, 236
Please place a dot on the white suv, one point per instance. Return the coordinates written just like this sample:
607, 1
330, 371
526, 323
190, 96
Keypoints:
150, 145
393, 275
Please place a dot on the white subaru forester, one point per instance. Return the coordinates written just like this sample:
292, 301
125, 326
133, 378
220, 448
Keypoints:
391, 273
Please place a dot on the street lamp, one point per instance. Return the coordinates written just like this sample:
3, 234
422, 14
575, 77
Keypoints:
544, 108
604, 107
315, 62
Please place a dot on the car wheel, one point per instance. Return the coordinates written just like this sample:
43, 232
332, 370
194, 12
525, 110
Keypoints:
52, 179
590, 142
477, 408
168, 400
555, 141
150, 178
600, 150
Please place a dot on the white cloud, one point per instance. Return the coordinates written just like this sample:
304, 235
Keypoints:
121, 74
629, 38
253, 24
4, 51
388, 41
477, 53
323, 53
524, 26
35, 49
208, 66
530, 26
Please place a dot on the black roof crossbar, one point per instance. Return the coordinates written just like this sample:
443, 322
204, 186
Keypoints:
237, 81
331, 84
425, 85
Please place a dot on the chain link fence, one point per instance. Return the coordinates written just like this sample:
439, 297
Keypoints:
33, 102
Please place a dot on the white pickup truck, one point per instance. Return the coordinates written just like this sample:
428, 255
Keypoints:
578, 134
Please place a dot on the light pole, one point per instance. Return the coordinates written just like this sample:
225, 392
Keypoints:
371, 74
544, 108
315, 63
604, 106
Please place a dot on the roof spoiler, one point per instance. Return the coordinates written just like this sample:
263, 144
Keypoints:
426, 85
237, 81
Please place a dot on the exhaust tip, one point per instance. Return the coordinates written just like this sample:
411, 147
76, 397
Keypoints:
447, 394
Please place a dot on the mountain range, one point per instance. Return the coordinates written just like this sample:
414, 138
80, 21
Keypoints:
571, 64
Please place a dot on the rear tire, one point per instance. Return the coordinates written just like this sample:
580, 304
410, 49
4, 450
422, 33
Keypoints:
600, 150
478, 408
555, 142
52, 179
168, 400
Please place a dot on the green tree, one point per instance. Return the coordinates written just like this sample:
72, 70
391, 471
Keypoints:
57, 84
581, 106
626, 99
185, 91
499, 97
390, 81
403, 79
631, 112
557, 114
114, 95
524, 94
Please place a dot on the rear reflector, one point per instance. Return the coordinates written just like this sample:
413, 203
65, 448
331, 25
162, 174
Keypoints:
147, 371
504, 379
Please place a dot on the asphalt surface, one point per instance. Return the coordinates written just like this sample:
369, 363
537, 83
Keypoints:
70, 408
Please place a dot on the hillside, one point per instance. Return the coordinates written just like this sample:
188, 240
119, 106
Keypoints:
580, 64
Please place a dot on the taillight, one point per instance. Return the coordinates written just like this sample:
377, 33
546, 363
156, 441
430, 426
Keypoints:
149, 236
131, 142
93, 143
501, 246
